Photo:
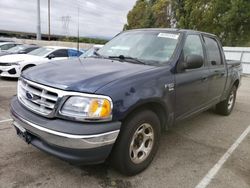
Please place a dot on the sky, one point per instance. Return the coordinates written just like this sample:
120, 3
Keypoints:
98, 18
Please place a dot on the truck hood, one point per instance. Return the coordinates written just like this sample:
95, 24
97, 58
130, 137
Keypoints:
82, 75
12, 58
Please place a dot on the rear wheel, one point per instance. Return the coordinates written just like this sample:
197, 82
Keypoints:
225, 107
137, 143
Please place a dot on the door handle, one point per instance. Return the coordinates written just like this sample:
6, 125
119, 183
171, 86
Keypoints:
219, 73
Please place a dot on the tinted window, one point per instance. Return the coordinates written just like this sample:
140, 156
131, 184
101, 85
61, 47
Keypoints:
60, 53
213, 51
74, 53
193, 46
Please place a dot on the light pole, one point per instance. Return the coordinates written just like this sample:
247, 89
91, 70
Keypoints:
38, 34
49, 18
78, 28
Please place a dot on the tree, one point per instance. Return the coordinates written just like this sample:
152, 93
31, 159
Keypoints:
139, 15
148, 13
230, 20
161, 13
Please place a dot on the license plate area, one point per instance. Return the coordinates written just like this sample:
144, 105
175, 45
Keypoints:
22, 133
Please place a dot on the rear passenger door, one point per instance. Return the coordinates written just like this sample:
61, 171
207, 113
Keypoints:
217, 69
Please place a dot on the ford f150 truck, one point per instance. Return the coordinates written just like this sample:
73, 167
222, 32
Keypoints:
115, 104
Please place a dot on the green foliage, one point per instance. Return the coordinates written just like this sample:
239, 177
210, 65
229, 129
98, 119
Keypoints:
84, 40
230, 20
148, 13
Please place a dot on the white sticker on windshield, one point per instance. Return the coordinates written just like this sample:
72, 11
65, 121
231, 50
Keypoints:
126, 48
169, 35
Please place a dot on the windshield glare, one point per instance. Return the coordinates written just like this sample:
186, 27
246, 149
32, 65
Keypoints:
16, 48
41, 51
151, 47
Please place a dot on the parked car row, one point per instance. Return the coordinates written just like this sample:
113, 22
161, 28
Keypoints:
15, 58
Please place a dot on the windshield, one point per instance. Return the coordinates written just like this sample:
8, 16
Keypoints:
41, 51
16, 48
149, 46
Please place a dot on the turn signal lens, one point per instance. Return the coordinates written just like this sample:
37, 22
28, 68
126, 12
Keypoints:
100, 108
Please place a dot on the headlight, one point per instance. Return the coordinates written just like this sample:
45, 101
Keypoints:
88, 108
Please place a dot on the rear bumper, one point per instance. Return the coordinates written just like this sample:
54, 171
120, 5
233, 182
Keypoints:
84, 148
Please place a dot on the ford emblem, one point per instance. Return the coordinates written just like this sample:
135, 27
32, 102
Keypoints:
29, 95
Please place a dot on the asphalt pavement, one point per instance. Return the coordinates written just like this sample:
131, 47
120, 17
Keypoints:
186, 155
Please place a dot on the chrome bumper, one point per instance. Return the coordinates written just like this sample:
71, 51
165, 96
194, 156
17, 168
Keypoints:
63, 139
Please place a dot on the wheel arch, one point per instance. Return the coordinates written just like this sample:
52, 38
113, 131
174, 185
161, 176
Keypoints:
157, 107
27, 66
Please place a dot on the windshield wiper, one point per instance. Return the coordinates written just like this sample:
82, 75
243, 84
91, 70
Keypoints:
96, 54
122, 57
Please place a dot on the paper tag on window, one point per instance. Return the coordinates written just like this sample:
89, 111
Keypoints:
169, 35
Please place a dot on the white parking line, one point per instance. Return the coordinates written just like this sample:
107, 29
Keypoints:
212, 173
6, 120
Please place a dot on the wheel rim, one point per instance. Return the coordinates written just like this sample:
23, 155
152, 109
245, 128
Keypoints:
230, 101
142, 143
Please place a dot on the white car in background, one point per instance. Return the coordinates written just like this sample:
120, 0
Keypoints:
13, 65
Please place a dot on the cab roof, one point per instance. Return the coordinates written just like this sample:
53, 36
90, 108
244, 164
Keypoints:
184, 31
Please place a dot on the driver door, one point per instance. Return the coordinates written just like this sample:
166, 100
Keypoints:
192, 84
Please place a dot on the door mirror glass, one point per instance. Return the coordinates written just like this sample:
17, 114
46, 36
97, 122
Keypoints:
193, 62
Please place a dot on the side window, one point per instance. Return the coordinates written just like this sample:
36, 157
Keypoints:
193, 46
60, 53
74, 53
213, 51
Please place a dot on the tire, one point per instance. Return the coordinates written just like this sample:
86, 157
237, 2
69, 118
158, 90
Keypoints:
137, 143
226, 107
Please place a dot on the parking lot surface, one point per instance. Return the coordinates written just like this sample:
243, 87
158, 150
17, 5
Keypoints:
186, 154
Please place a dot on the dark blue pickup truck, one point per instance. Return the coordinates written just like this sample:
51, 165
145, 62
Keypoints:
115, 104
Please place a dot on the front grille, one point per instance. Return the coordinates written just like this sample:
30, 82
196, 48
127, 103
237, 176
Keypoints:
36, 97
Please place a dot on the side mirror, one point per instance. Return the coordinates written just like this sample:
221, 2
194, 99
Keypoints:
193, 62
51, 56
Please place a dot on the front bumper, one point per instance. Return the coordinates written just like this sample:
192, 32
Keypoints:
10, 71
87, 145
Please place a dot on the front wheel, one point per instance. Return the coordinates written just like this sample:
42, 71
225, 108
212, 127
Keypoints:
137, 143
225, 107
